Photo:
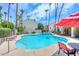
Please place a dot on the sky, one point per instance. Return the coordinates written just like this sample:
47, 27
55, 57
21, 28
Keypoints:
37, 11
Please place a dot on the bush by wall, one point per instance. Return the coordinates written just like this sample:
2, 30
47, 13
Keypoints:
6, 24
4, 32
20, 29
41, 27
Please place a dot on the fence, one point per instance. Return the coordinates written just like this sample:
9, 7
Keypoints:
3, 39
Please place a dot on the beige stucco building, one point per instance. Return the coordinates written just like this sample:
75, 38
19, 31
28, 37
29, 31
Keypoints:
30, 26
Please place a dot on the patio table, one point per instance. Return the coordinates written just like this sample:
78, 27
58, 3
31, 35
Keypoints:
74, 45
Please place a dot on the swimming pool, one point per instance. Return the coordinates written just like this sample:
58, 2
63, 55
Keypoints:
38, 41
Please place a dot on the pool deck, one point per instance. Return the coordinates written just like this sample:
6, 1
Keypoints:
14, 51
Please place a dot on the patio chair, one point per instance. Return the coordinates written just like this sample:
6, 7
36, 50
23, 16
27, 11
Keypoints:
64, 33
12, 38
66, 50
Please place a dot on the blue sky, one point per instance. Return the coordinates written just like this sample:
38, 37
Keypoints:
37, 11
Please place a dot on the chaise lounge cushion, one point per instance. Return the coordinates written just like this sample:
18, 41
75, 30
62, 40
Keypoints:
65, 48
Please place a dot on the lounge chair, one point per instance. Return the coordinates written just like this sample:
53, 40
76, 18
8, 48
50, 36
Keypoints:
11, 37
66, 50
64, 33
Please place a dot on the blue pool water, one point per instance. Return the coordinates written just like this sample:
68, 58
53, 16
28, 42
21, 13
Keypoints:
38, 41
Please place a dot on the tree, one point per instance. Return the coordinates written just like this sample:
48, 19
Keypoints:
8, 11
46, 18
5, 13
49, 15
60, 11
21, 15
0, 8
56, 12
56, 8
1, 13
9, 4
41, 27
11, 17
17, 14
20, 29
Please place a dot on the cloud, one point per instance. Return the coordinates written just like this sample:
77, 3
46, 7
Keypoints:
66, 10
39, 12
66, 7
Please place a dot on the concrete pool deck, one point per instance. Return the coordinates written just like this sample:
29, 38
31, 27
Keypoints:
14, 51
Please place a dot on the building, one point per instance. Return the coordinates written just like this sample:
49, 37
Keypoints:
51, 28
30, 26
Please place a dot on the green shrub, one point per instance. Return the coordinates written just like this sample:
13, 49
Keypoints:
4, 32
25, 32
43, 30
58, 31
18, 33
6, 24
33, 32
20, 29
41, 27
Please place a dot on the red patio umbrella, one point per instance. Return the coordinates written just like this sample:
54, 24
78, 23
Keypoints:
62, 22
77, 23
72, 21
77, 14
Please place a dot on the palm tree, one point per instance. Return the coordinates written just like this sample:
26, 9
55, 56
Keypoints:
28, 17
21, 16
11, 18
60, 11
0, 13
5, 13
17, 14
8, 11
46, 19
56, 8
46, 13
22, 12
9, 4
49, 14
0, 8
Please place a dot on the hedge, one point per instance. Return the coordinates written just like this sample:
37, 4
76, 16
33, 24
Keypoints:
4, 32
6, 24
